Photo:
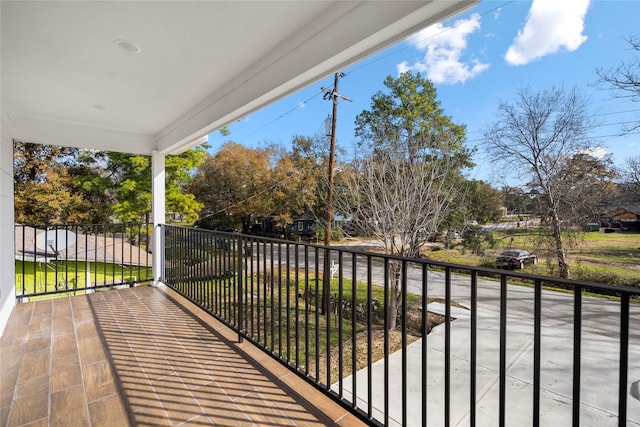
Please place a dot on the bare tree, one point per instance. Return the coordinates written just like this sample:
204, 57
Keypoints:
409, 172
541, 137
625, 78
401, 204
630, 173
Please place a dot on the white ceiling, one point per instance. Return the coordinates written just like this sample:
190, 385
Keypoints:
202, 64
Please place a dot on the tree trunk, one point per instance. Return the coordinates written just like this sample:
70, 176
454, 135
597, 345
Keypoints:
395, 295
246, 224
557, 235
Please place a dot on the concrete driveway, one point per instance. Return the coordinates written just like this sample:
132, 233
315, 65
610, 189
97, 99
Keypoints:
599, 362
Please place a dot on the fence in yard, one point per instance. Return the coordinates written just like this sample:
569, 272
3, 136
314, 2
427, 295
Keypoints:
77, 258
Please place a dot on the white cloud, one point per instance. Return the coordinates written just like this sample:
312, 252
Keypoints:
551, 26
596, 152
443, 50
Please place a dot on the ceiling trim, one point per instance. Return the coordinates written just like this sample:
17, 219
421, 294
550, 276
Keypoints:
41, 130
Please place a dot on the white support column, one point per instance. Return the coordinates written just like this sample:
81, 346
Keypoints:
7, 255
157, 210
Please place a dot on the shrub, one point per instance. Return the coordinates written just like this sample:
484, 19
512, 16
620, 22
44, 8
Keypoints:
580, 272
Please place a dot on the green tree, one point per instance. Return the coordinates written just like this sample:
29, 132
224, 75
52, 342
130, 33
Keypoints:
310, 159
516, 200
482, 202
92, 182
130, 180
43, 185
127, 177
180, 171
408, 173
408, 119
478, 202
246, 184
58, 184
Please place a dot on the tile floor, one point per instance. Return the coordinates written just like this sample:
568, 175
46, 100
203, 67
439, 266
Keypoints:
144, 357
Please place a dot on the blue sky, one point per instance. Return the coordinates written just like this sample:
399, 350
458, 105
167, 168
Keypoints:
476, 60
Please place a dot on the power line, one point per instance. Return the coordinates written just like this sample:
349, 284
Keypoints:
616, 112
617, 134
597, 136
253, 196
586, 127
610, 124
298, 106
591, 116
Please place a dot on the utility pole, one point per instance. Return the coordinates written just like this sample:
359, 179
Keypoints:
332, 95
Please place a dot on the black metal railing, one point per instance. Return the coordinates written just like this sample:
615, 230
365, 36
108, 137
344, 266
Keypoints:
416, 342
71, 259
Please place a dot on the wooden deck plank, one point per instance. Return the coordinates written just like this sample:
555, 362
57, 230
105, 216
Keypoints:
145, 356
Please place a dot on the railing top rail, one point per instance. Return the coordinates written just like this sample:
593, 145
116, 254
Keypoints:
53, 224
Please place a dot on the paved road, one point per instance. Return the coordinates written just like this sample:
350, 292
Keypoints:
598, 315
599, 358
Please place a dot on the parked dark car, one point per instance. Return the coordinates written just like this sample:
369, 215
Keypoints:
226, 229
515, 258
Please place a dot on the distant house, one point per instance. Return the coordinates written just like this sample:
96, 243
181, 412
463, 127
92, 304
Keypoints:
625, 218
268, 226
304, 226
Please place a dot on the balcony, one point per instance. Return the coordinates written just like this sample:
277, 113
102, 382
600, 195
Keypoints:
238, 334
144, 356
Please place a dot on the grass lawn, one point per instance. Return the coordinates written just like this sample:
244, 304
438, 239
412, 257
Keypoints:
612, 258
35, 278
